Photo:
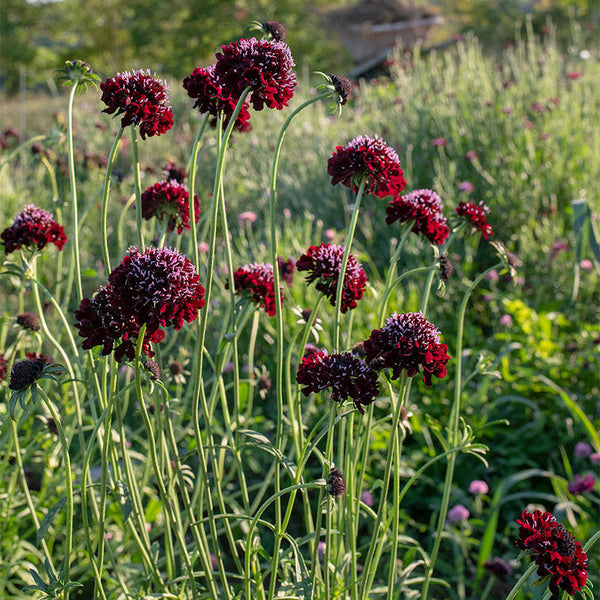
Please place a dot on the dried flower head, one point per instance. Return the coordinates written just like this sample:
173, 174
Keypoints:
170, 200
343, 87
345, 374
29, 321
203, 85
371, 159
141, 99
276, 30
498, 567
557, 553
323, 264
408, 342
264, 66
153, 369
257, 279
158, 288
175, 173
476, 214
423, 207
33, 227
445, 266
336, 483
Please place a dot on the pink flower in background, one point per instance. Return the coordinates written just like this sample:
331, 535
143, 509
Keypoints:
492, 275
248, 216
582, 450
574, 75
595, 458
557, 248
506, 321
478, 487
586, 264
581, 484
471, 155
466, 187
439, 142
458, 513
329, 234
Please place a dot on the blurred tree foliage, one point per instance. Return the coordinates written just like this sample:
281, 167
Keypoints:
172, 37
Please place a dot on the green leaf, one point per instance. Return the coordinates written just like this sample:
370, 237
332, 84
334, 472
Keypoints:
124, 499
47, 520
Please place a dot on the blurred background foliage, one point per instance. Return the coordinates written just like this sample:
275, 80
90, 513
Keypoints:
174, 37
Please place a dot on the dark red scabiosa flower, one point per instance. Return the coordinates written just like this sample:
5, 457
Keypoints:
498, 567
343, 87
336, 483
556, 552
29, 321
141, 99
323, 264
408, 342
25, 373
210, 97
369, 158
171, 201
158, 288
264, 66
3, 366
424, 208
286, 269
33, 227
345, 374
175, 173
581, 484
476, 213
257, 279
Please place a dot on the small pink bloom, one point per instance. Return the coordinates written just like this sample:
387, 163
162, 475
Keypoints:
574, 75
458, 513
507, 110
439, 141
471, 155
586, 264
527, 124
492, 275
595, 458
506, 320
246, 217
538, 107
203, 247
581, 484
329, 234
466, 187
478, 487
582, 450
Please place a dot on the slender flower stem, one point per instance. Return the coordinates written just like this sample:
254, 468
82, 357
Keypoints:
522, 580
69, 484
73, 184
105, 192
138, 189
340, 284
454, 422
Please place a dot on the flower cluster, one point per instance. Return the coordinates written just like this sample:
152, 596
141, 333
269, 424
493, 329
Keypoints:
581, 484
344, 373
258, 280
204, 87
323, 264
371, 159
141, 99
476, 214
33, 227
408, 342
424, 208
157, 288
169, 200
556, 552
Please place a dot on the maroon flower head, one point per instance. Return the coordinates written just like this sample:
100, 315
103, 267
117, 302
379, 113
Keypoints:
323, 264
286, 269
372, 159
175, 173
33, 227
476, 213
347, 375
336, 483
258, 280
158, 288
25, 373
3, 366
424, 207
581, 484
498, 567
141, 99
556, 552
408, 342
264, 66
203, 85
169, 200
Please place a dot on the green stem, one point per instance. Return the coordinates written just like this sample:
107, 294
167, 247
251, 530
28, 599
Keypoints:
105, 192
73, 184
454, 422
340, 283
69, 484
138, 189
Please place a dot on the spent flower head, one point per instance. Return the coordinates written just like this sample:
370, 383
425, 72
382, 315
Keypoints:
78, 73
345, 374
340, 88
141, 99
323, 264
425, 209
556, 552
29, 321
370, 159
33, 227
336, 483
273, 30
408, 342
